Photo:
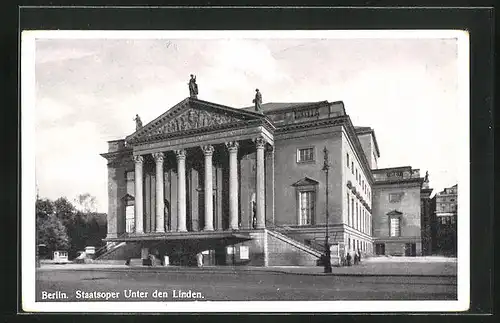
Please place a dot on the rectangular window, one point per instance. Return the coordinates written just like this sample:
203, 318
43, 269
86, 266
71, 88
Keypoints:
305, 155
357, 175
129, 218
306, 205
395, 227
348, 211
352, 168
352, 212
347, 160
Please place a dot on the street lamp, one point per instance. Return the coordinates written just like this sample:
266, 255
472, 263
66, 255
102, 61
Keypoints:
327, 261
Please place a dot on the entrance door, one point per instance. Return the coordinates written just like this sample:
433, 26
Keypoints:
410, 249
380, 248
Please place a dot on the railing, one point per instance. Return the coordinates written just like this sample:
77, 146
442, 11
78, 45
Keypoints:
286, 230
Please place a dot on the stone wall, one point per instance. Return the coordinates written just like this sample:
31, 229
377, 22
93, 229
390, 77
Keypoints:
288, 171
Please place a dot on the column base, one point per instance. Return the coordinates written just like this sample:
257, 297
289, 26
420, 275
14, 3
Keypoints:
208, 229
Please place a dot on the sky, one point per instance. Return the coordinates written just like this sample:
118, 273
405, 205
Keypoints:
89, 90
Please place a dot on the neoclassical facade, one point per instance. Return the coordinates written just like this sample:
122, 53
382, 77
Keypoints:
242, 186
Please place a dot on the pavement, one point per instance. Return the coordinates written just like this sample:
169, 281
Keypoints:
375, 266
214, 284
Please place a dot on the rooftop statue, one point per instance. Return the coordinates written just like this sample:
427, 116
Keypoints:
258, 101
426, 178
138, 122
193, 87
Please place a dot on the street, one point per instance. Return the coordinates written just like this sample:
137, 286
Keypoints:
164, 285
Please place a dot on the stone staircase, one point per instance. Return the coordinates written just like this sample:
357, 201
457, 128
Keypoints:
118, 251
297, 244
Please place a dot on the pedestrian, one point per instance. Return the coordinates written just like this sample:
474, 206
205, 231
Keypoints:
348, 258
355, 258
199, 259
359, 255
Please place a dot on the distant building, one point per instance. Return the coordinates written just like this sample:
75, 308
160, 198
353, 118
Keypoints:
397, 225
445, 222
247, 187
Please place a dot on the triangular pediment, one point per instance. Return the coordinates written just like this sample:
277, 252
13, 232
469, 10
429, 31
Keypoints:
394, 212
192, 115
128, 197
305, 181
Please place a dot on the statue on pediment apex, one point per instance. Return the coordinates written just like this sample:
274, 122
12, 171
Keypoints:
258, 101
193, 87
138, 122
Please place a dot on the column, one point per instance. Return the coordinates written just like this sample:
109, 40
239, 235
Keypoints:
232, 146
139, 227
269, 182
260, 194
208, 151
181, 190
160, 199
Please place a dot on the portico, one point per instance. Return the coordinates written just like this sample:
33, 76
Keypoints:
183, 198
187, 171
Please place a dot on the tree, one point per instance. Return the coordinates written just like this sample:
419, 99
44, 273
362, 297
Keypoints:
62, 225
44, 208
52, 233
86, 203
64, 210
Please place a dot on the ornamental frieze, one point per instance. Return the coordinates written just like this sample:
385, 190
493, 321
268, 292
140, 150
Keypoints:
194, 119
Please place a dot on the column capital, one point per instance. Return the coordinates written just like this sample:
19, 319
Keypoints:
159, 157
138, 159
208, 150
260, 142
180, 154
232, 146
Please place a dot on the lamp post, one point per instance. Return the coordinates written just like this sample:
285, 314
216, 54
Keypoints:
327, 262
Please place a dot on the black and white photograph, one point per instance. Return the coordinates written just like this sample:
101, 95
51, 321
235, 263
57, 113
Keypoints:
245, 171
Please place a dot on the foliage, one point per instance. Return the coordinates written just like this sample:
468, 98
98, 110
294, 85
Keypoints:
86, 203
64, 210
52, 233
44, 208
61, 226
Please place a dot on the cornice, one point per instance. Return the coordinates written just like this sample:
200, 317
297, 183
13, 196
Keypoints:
249, 118
318, 123
115, 154
306, 106
351, 132
400, 181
